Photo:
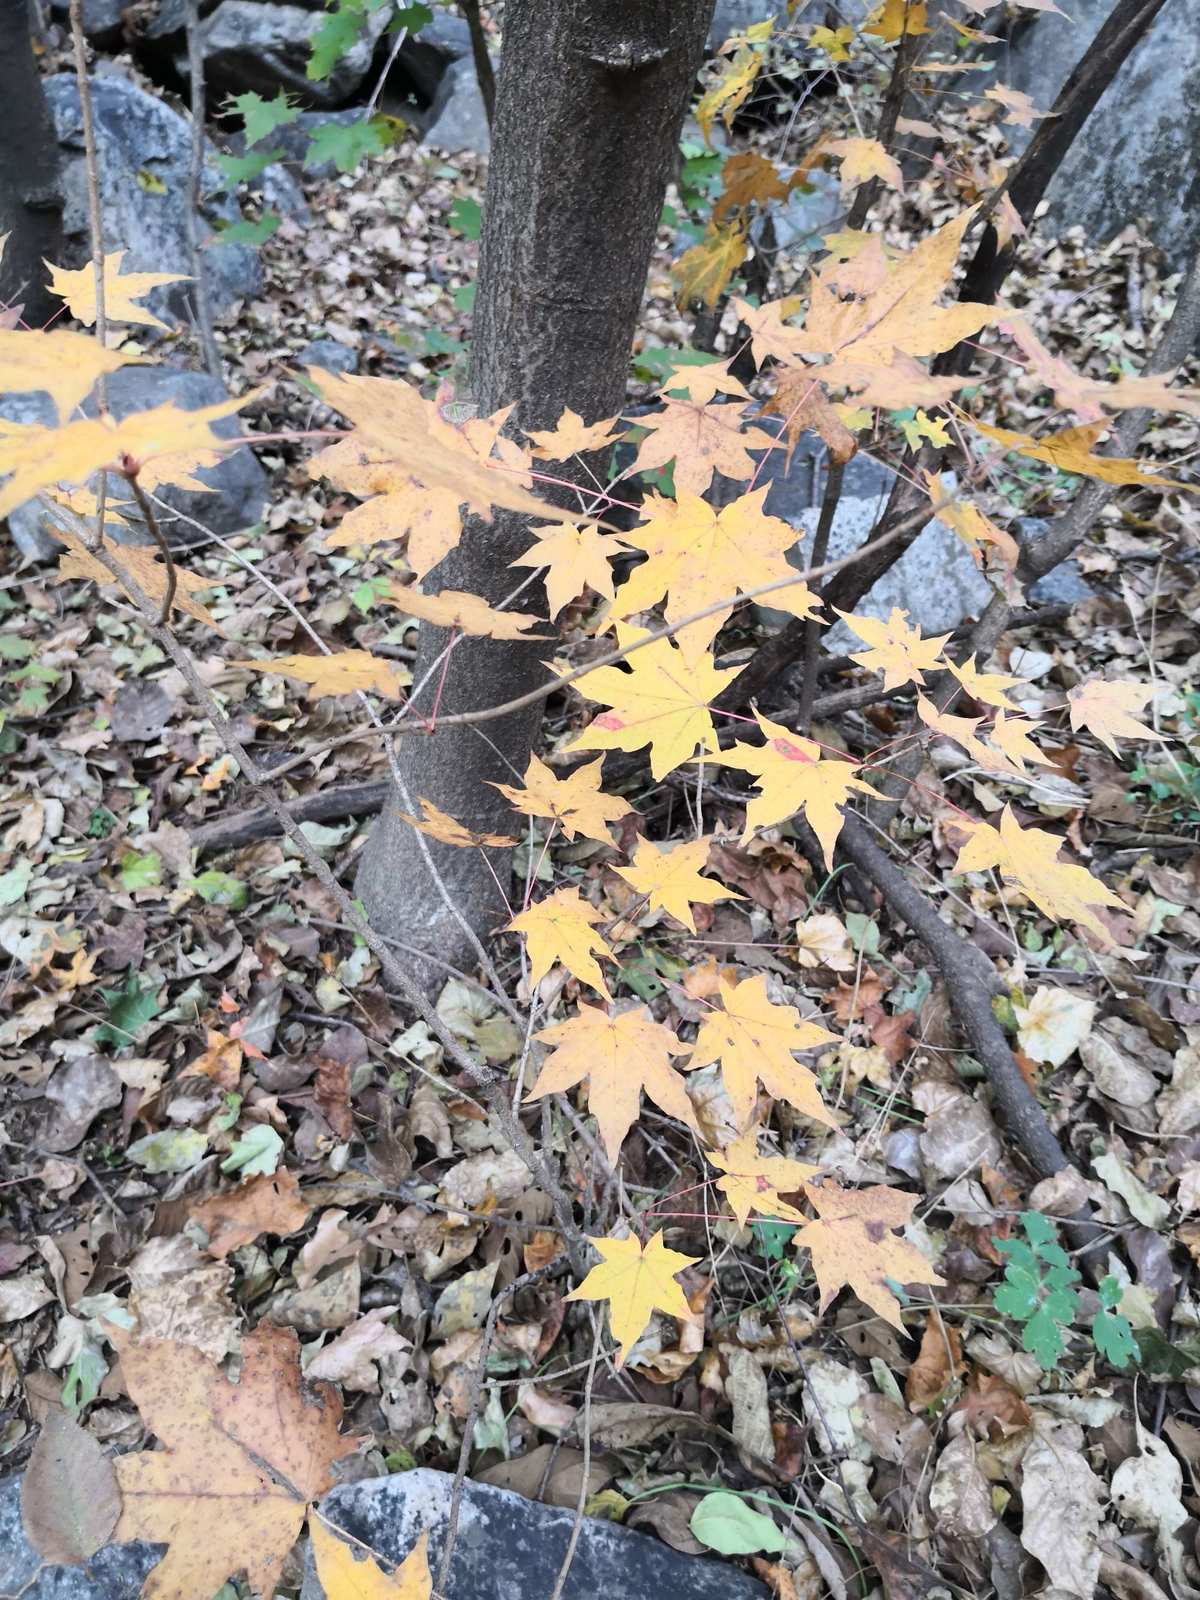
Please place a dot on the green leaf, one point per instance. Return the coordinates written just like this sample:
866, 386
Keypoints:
258, 1151
141, 872
726, 1524
130, 1010
14, 648
1110, 1290
657, 362
466, 217
1043, 1339
240, 169
1114, 1339
1158, 1356
84, 1377
262, 117
464, 297
15, 882
222, 889
1017, 1296
169, 1150
251, 233
148, 183
1039, 1230
338, 33
347, 145
414, 18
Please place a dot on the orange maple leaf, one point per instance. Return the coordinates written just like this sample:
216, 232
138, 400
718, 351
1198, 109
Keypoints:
853, 1245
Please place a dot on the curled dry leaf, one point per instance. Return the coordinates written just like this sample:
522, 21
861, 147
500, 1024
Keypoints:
69, 1496
269, 1203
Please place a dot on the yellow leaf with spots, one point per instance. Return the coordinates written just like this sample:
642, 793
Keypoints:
570, 436
801, 400
239, 1464
670, 878
145, 568
1028, 857
986, 687
660, 697
700, 439
924, 427
577, 802
1110, 709
853, 1245
621, 1055
636, 1282
344, 672
348, 1573
446, 830
121, 290
754, 1040
752, 1183
864, 159
62, 364
834, 41
792, 775
901, 653
562, 928
576, 558
703, 273
469, 613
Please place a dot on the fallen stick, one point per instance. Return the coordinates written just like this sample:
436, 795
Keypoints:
329, 805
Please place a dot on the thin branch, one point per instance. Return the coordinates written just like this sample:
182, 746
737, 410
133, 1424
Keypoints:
95, 226
204, 309
481, 56
812, 625
586, 1467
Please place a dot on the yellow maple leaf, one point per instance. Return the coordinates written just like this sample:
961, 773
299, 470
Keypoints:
570, 436
1110, 709
864, 159
78, 289
703, 273
736, 78
960, 729
753, 1039
577, 802
800, 399
347, 1573
834, 41
621, 1055
698, 553
660, 697
60, 363
670, 878
446, 830
1014, 738
700, 439
394, 507
900, 652
144, 567
976, 530
853, 1246
575, 557
793, 775
344, 672
1070, 450
562, 928
1028, 857
773, 335
986, 687
469, 613
753, 1182
1019, 109
636, 1282
894, 18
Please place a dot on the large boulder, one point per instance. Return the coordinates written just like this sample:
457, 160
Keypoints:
424, 58
237, 496
145, 160
249, 45
458, 121
1136, 155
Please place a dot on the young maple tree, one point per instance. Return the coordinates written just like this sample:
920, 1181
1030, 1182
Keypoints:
479, 498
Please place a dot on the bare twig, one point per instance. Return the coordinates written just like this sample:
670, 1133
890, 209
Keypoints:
812, 626
481, 57
95, 224
586, 1469
204, 309
147, 510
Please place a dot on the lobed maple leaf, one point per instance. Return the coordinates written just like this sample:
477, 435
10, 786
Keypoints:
894, 18
976, 530
78, 289
748, 178
669, 877
853, 1245
241, 1462
576, 558
562, 928
428, 519
800, 399
697, 554
458, 608
986, 687
570, 436
737, 77
1028, 857
621, 1055
1015, 739
700, 439
864, 159
900, 652
704, 271
754, 1040
1109, 708
144, 567
753, 1182
62, 364
347, 1573
343, 672
792, 775
636, 1282
268, 1203
1070, 450
660, 697
446, 830
577, 802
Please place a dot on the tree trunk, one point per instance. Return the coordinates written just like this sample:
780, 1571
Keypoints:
31, 199
590, 101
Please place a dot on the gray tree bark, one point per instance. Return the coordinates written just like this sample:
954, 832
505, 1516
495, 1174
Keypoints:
31, 199
590, 102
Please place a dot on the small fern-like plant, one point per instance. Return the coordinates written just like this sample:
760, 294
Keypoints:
1039, 1292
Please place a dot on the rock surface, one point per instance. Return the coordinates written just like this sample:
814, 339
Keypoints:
1136, 154
509, 1548
114, 1573
457, 120
424, 58
249, 45
239, 484
145, 158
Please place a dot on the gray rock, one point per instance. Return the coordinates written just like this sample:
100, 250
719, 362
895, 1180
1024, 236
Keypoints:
239, 484
115, 1573
250, 45
329, 354
294, 139
457, 120
509, 1548
1136, 154
808, 213
145, 159
101, 18
735, 16
424, 58
169, 18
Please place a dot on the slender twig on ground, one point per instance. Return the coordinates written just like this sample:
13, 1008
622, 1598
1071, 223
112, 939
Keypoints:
586, 1466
